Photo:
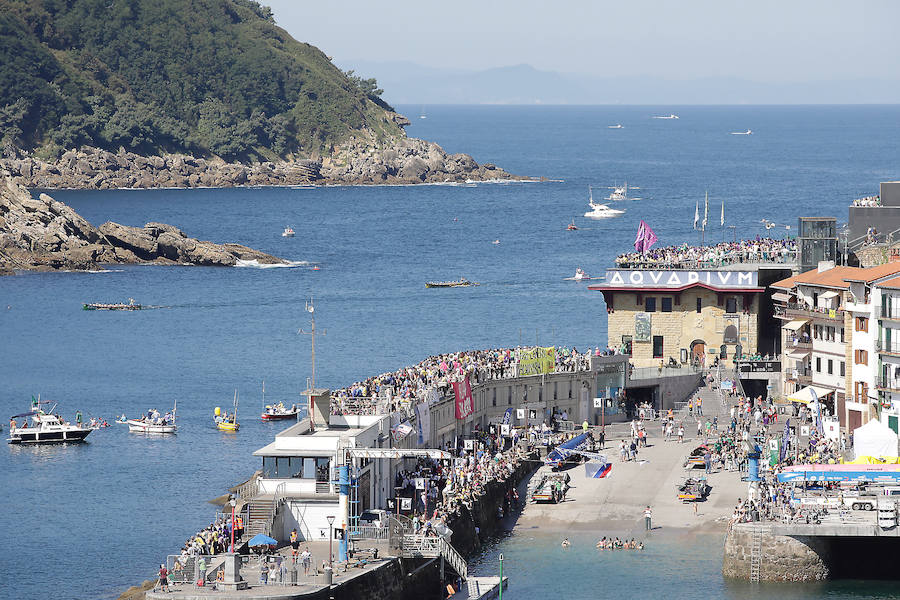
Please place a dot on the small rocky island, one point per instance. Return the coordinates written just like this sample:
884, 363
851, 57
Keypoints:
43, 234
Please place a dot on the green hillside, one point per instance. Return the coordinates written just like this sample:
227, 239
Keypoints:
205, 77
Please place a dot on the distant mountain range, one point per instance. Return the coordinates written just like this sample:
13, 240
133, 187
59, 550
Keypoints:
410, 83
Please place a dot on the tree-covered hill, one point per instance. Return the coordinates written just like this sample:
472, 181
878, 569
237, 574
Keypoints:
202, 77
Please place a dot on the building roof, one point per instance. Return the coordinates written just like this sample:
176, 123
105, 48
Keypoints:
839, 277
892, 283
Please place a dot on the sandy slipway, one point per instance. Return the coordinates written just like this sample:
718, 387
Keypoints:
43, 234
356, 162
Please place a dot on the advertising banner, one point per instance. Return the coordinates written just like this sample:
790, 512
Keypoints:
535, 361
642, 327
463, 393
423, 422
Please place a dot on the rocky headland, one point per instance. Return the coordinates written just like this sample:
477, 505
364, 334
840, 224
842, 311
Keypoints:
357, 162
43, 234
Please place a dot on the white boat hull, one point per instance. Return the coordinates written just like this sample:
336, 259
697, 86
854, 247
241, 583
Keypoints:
141, 427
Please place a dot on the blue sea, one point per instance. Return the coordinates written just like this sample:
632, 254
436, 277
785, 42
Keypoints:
87, 521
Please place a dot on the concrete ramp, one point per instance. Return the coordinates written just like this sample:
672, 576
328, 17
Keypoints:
480, 588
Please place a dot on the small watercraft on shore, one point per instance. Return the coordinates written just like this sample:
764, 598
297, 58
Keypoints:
117, 306
278, 412
461, 282
45, 428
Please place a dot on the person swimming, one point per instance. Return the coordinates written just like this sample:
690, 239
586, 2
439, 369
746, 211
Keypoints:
565, 543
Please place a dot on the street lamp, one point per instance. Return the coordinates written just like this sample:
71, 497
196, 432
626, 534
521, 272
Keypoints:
500, 596
233, 503
330, 519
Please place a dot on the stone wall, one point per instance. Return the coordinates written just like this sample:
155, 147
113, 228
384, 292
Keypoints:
783, 558
398, 579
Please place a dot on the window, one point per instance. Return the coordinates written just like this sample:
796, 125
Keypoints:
731, 305
494, 398
861, 357
861, 392
818, 364
843, 370
699, 305
862, 324
650, 305
830, 367
666, 305
829, 333
842, 335
657, 346
555, 388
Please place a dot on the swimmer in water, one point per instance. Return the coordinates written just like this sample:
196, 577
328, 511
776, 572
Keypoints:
565, 543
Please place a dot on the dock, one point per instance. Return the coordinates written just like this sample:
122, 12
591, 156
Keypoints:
480, 588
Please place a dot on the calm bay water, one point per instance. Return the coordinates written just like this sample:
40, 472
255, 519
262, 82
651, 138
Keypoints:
87, 521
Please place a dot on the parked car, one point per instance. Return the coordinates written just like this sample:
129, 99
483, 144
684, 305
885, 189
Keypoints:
374, 517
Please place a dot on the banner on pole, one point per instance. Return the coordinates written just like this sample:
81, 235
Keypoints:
423, 422
463, 393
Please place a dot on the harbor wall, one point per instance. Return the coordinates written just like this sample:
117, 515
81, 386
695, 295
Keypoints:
782, 558
397, 579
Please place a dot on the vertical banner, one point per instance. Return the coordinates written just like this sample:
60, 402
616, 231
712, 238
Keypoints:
784, 439
423, 422
463, 392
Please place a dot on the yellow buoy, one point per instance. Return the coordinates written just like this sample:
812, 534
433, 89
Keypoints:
218, 411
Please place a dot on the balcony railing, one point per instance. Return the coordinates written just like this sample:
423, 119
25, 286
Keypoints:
892, 313
888, 384
793, 309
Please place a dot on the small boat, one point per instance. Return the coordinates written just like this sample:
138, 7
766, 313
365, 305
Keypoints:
46, 428
693, 489
316, 268
620, 193
616, 126
666, 117
580, 275
748, 132
152, 422
119, 306
288, 232
572, 226
496, 242
226, 422
600, 211
278, 412
461, 282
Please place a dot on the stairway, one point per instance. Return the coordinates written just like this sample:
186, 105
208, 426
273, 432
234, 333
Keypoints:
260, 513
420, 546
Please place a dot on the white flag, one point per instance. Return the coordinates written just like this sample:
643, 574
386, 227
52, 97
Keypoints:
696, 214
722, 218
705, 212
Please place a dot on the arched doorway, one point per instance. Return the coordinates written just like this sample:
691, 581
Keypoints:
698, 352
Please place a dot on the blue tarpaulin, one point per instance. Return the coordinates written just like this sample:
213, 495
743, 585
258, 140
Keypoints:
261, 539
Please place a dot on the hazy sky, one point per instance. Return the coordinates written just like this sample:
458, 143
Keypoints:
764, 40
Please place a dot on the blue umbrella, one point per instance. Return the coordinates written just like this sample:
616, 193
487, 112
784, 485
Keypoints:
261, 539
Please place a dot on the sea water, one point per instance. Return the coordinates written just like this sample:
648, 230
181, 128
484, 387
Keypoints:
89, 520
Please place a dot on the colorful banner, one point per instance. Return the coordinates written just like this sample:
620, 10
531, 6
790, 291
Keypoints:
463, 392
535, 361
423, 422
785, 438
401, 431
645, 237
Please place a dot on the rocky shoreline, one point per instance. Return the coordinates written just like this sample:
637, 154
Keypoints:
43, 234
356, 162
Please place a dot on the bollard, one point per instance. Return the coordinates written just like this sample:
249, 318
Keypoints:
294, 572
328, 576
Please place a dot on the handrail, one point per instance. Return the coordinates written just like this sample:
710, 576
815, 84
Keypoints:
276, 501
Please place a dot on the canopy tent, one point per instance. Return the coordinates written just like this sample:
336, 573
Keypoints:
781, 297
261, 539
829, 294
797, 354
796, 324
805, 396
874, 439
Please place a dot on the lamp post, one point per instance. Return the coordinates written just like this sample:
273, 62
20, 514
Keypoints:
330, 519
500, 594
233, 503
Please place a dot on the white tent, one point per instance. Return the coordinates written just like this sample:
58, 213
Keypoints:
874, 439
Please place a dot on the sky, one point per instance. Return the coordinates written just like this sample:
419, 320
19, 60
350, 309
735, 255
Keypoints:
760, 40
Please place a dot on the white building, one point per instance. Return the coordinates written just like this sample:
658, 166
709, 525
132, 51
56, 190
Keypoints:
886, 298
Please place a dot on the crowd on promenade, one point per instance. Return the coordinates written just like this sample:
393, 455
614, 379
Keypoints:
410, 385
868, 201
717, 255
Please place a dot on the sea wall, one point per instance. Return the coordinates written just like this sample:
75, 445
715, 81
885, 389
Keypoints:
398, 579
782, 558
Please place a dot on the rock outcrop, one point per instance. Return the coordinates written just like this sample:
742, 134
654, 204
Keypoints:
359, 161
44, 234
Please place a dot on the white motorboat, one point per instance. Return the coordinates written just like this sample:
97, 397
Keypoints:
288, 232
666, 117
600, 211
580, 275
748, 132
152, 422
620, 193
46, 428
616, 126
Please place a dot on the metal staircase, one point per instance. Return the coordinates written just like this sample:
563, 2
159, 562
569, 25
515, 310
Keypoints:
755, 553
420, 546
259, 516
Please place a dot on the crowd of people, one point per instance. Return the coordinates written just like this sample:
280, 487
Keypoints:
868, 201
687, 256
617, 544
410, 385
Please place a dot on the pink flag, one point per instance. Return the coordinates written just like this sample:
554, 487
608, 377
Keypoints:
645, 238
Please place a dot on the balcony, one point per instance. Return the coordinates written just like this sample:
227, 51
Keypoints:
793, 310
884, 347
887, 384
892, 313
801, 376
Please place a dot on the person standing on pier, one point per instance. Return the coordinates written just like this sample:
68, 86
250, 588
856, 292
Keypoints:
648, 515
